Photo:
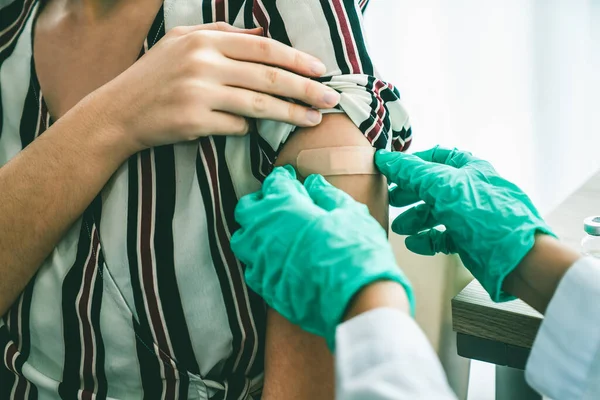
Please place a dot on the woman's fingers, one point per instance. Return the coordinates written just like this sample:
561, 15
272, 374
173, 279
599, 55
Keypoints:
263, 50
279, 82
215, 26
260, 105
224, 123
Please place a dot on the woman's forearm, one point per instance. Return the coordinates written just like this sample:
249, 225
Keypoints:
47, 186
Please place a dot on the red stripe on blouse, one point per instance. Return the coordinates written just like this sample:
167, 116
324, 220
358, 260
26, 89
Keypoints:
347, 37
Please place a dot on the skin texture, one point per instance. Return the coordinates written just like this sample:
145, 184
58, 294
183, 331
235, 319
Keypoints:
537, 276
290, 351
376, 295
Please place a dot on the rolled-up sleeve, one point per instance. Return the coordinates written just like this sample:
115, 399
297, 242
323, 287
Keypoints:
332, 31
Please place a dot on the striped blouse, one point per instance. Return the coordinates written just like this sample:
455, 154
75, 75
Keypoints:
143, 296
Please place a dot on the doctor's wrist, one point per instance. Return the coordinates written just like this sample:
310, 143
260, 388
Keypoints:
537, 276
379, 294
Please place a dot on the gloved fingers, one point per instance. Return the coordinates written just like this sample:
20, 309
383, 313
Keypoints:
414, 220
240, 245
325, 195
400, 197
484, 168
244, 210
430, 242
461, 159
451, 157
399, 168
282, 180
437, 154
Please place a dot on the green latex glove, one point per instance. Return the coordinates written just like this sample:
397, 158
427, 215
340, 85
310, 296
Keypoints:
489, 221
309, 249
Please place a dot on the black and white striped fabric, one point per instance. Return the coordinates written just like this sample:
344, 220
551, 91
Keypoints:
143, 296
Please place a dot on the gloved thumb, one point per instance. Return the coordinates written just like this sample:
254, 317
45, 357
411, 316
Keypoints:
397, 167
414, 220
430, 242
325, 195
451, 157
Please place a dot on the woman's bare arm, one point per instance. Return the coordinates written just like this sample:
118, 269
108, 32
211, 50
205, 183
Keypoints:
298, 365
47, 186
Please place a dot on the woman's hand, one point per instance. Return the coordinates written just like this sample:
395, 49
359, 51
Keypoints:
204, 80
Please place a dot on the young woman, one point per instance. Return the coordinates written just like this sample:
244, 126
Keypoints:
129, 130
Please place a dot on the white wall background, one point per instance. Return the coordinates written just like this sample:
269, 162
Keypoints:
516, 82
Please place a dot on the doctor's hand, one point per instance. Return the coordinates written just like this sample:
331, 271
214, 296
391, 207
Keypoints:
309, 249
489, 221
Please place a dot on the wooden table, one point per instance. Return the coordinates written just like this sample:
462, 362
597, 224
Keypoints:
503, 334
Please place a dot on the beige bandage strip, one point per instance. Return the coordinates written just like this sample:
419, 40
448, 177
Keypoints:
329, 161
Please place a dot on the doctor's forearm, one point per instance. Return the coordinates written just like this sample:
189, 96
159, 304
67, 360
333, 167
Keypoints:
382, 294
537, 276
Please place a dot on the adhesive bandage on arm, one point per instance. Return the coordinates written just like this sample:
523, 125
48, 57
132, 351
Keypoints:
330, 161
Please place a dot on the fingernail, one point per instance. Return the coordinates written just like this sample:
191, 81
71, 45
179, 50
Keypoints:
318, 68
331, 98
313, 116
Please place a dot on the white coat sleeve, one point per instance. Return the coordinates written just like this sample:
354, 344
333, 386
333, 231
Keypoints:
384, 355
565, 358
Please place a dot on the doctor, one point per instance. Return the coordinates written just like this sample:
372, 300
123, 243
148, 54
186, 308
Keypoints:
318, 258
